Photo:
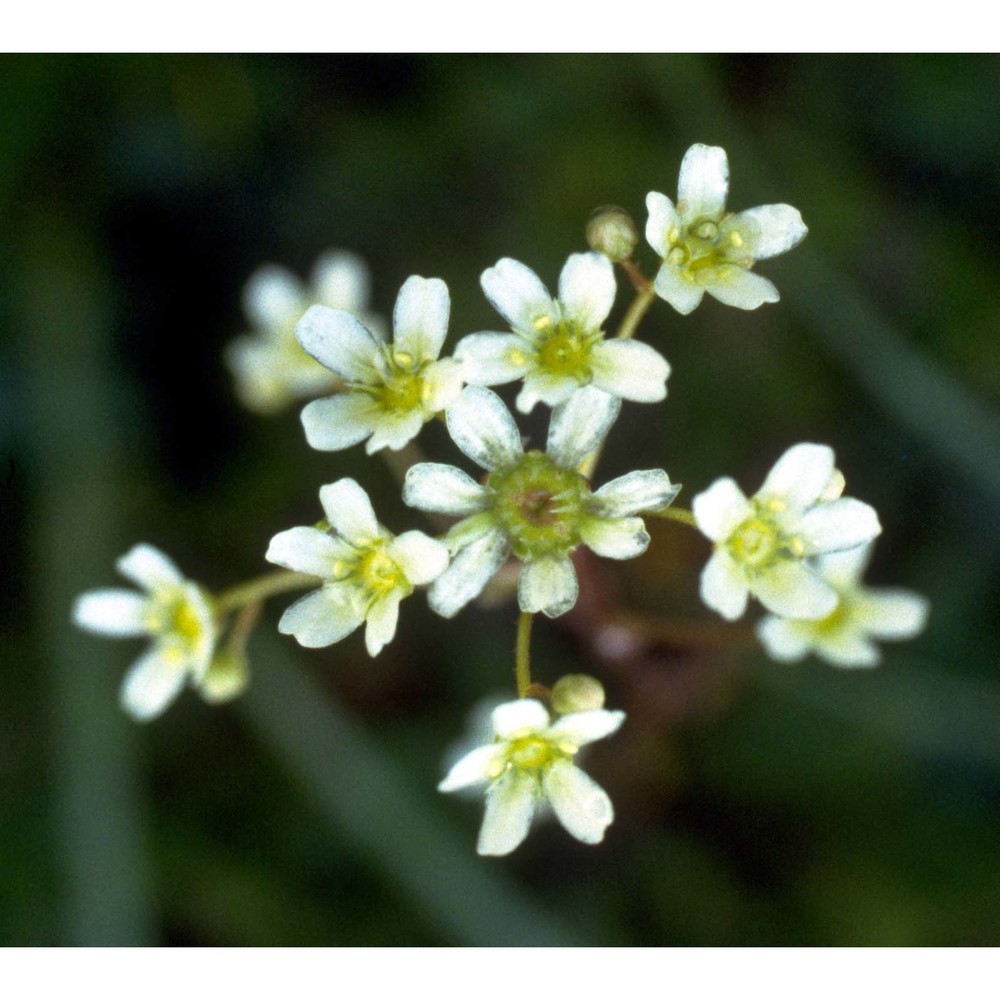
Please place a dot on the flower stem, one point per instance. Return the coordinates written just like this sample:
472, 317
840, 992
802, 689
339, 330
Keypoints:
522, 668
636, 311
260, 588
674, 514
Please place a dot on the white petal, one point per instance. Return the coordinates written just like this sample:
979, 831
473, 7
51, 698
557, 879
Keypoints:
582, 806
721, 509
394, 430
483, 428
325, 616
421, 558
550, 388
579, 425
792, 590
581, 728
630, 369
783, 639
468, 573
148, 567
273, 297
338, 340
517, 293
723, 586
349, 511
671, 285
341, 280
548, 585
799, 476
517, 718
847, 648
510, 805
663, 220
475, 767
442, 382
735, 286
769, 229
443, 489
339, 422
838, 524
844, 569
307, 550
111, 612
494, 358
703, 183
152, 682
644, 489
891, 614
420, 319
587, 289
615, 538
382, 618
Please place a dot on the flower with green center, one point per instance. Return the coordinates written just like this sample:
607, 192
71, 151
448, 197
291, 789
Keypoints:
557, 345
764, 545
707, 249
269, 365
366, 570
529, 762
391, 390
844, 637
174, 611
535, 505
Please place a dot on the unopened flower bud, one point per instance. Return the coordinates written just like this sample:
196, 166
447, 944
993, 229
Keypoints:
577, 693
612, 232
226, 677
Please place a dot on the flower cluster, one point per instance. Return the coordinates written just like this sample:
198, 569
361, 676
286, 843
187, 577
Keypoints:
798, 546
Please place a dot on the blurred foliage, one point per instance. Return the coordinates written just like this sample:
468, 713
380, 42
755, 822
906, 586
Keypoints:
757, 804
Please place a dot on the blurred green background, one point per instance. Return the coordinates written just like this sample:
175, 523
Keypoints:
758, 804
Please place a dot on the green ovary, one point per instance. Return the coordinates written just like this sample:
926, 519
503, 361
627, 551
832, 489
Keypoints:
566, 351
539, 505
706, 251
378, 571
758, 543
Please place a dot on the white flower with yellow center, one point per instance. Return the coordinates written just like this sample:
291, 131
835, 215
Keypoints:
269, 365
844, 637
707, 249
365, 569
174, 611
391, 390
530, 762
558, 345
763, 545
536, 505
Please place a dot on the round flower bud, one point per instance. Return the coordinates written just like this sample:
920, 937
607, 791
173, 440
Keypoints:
577, 693
612, 232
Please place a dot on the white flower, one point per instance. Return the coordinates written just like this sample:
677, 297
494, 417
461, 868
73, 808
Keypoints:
269, 365
391, 389
763, 545
706, 249
173, 610
366, 570
530, 761
558, 345
843, 637
534, 504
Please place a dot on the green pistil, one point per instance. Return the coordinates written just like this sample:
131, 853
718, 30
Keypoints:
707, 247
564, 349
539, 505
759, 542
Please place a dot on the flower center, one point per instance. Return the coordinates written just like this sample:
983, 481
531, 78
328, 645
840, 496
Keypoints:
759, 543
565, 351
707, 249
539, 505
378, 571
179, 623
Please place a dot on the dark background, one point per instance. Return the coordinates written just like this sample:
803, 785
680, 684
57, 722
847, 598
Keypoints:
758, 803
